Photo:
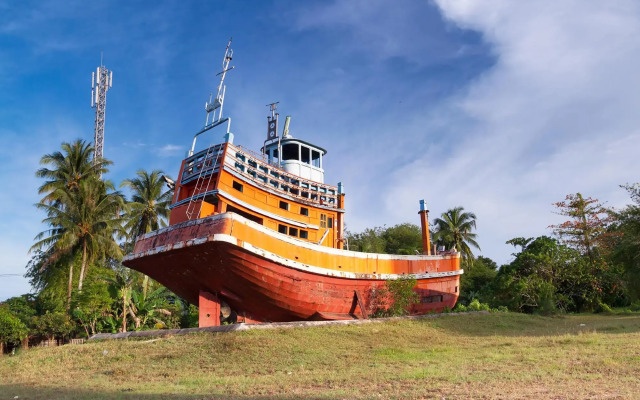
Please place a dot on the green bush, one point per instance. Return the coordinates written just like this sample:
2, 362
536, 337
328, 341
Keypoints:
396, 298
12, 330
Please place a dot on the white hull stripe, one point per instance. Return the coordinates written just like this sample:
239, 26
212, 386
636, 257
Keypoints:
287, 262
298, 242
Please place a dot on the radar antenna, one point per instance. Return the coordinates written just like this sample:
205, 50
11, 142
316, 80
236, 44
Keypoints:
216, 103
101, 81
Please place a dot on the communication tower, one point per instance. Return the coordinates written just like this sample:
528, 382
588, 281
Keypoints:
101, 81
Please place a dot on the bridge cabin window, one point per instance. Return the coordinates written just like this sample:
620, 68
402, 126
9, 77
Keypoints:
237, 186
291, 151
304, 234
304, 211
293, 232
282, 229
284, 205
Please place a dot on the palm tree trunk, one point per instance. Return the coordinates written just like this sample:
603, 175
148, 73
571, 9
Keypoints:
136, 320
145, 286
84, 263
70, 286
124, 310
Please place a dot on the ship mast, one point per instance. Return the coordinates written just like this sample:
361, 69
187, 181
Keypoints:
211, 106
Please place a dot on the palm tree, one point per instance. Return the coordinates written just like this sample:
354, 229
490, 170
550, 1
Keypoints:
84, 220
453, 230
70, 166
149, 206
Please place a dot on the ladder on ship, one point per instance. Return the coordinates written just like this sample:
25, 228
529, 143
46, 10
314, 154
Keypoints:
202, 184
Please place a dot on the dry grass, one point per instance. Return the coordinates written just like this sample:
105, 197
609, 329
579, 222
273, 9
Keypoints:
470, 356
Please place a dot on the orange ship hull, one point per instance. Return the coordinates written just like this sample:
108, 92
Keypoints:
267, 276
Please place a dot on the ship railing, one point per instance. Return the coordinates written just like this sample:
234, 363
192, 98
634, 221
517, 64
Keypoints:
205, 159
259, 171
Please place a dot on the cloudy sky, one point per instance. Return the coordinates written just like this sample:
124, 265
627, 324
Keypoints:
501, 107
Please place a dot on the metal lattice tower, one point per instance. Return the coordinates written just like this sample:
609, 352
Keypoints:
101, 81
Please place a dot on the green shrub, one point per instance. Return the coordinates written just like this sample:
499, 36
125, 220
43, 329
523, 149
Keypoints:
396, 298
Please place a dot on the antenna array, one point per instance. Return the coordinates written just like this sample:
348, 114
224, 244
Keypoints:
101, 81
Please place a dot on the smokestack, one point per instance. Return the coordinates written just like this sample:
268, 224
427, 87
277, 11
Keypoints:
424, 223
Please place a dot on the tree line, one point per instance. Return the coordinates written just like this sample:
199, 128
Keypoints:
80, 286
590, 262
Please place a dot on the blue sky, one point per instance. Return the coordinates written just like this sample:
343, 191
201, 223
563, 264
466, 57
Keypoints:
502, 107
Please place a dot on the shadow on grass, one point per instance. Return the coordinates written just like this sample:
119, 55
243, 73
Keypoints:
24, 392
516, 324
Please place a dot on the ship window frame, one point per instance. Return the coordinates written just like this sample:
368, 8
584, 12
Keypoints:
304, 234
305, 154
330, 222
304, 211
282, 229
315, 158
237, 186
293, 231
284, 205
288, 152
432, 299
323, 220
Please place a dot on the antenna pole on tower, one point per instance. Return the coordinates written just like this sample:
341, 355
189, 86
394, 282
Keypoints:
101, 81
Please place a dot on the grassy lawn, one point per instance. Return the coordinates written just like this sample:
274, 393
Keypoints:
468, 356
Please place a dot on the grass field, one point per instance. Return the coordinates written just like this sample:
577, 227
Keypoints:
499, 355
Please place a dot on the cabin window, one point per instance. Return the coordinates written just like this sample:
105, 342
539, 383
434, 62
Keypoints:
284, 205
330, 223
253, 163
456, 290
291, 151
237, 186
304, 234
323, 220
282, 229
304, 211
432, 299
315, 158
293, 232
305, 154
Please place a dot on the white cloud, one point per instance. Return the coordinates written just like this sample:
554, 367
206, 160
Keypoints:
170, 150
556, 114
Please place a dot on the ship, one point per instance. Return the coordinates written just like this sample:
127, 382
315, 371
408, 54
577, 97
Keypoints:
259, 237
